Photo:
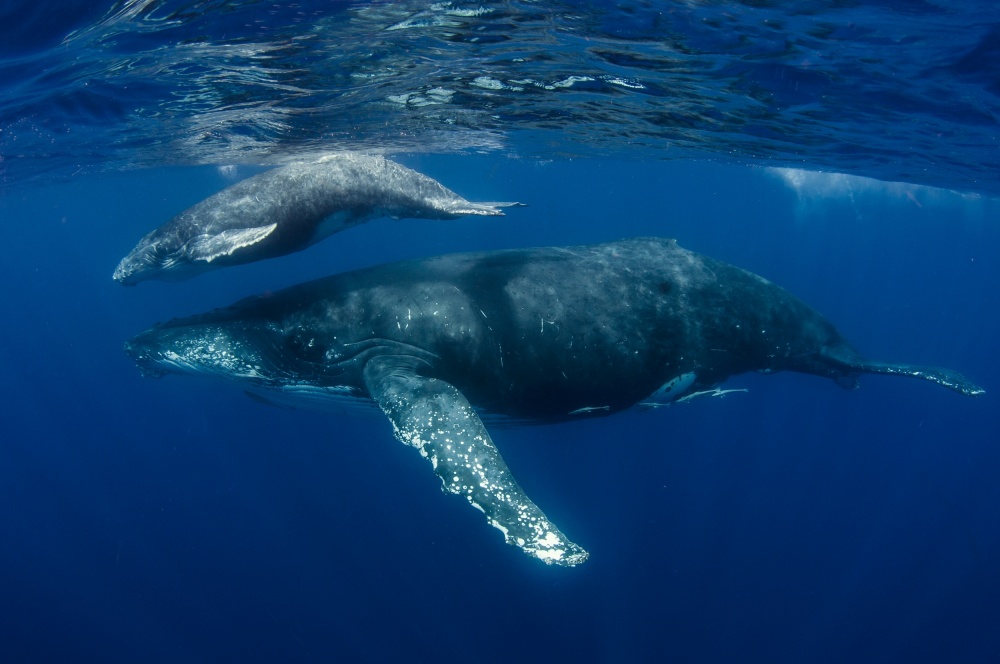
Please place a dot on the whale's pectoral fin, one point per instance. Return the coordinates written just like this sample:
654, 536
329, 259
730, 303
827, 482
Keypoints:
434, 417
225, 243
945, 377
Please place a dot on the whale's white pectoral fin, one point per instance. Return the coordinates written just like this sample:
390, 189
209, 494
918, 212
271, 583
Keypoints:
210, 247
433, 416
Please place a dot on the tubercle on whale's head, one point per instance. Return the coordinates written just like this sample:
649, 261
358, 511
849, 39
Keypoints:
128, 272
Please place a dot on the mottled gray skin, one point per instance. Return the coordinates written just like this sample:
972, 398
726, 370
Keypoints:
288, 209
538, 335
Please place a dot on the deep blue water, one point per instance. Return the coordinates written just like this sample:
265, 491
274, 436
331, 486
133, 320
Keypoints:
177, 520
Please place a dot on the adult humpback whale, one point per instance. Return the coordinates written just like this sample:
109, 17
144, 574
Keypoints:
537, 334
288, 209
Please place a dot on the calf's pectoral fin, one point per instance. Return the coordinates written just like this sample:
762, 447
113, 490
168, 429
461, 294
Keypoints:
945, 377
434, 417
225, 243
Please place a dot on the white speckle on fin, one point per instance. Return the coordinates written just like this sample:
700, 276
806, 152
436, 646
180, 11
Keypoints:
209, 247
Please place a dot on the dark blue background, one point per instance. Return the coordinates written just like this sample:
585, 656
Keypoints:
177, 520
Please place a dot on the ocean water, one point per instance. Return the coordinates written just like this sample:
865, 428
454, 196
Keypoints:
844, 150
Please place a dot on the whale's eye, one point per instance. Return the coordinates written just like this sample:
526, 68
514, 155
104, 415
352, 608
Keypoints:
664, 287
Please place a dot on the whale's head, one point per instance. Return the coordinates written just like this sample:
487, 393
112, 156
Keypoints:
181, 249
243, 349
289, 363
156, 256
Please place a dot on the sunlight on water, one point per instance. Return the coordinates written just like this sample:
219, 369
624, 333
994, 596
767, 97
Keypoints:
826, 87
819, 184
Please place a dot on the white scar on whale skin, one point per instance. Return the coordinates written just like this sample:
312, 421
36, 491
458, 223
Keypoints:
287, 209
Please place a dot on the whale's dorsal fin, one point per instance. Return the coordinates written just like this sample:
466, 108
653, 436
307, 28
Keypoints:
434, 417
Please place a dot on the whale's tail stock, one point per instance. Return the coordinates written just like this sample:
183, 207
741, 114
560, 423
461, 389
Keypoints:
489, 209
846, 360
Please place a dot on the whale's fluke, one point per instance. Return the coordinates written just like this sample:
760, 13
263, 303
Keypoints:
944, 377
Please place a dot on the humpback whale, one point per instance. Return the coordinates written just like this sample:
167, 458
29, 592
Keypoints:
287, 209
538, 335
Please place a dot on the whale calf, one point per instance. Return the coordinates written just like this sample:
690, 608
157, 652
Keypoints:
288, 209
538, 335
